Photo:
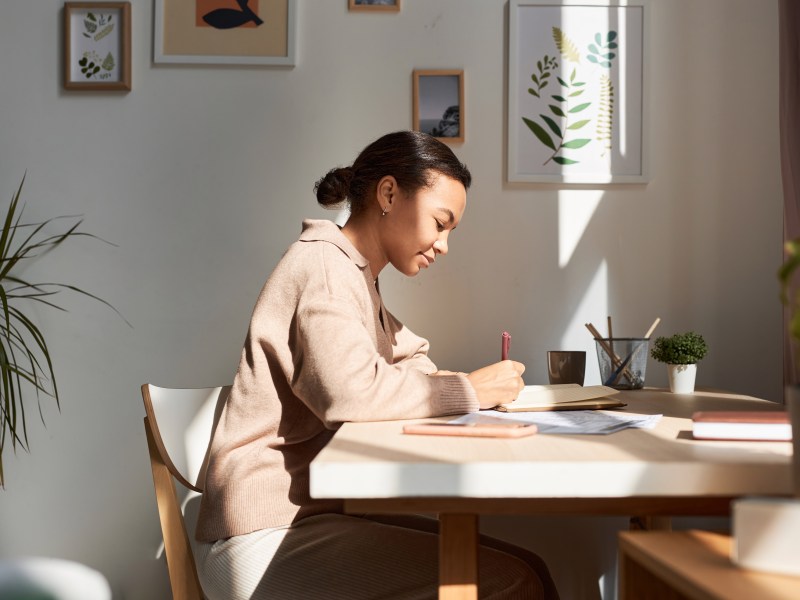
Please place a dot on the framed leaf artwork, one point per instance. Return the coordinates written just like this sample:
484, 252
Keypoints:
243, 32
577, 98
97, 45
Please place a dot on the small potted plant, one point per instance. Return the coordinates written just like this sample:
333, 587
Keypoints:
681, 352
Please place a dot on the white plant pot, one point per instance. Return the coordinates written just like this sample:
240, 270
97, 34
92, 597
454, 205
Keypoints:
681, 378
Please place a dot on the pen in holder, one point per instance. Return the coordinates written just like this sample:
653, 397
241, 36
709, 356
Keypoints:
622, 361
622, 368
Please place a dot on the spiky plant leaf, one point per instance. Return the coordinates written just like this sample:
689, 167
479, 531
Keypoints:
25, 363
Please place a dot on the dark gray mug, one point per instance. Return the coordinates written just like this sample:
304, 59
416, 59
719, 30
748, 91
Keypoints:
566, 366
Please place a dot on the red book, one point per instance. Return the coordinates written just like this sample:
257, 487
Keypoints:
757, 425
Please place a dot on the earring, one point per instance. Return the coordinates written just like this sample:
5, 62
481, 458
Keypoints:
383, 214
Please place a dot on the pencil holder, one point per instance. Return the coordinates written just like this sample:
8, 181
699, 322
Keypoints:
622, 362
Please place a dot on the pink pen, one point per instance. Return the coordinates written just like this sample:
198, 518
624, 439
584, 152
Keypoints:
506, 344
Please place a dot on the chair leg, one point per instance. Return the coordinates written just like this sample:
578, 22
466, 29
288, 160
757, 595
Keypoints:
180, 560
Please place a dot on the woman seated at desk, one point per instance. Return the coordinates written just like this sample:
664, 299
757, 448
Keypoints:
321, 350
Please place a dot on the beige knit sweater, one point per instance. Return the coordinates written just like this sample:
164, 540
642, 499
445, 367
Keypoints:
321, 350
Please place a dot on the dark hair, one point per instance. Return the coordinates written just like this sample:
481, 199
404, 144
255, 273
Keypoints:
413, 158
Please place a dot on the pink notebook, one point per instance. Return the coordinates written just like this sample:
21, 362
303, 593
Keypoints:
756, 425
495, 430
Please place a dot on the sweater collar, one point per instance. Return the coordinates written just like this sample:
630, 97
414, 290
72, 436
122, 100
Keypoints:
319, 230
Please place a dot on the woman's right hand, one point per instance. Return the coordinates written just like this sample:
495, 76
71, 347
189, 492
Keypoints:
498, 383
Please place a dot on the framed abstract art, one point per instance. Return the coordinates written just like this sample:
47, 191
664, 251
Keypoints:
241, 32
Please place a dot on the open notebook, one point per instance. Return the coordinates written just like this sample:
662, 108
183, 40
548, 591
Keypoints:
569, 396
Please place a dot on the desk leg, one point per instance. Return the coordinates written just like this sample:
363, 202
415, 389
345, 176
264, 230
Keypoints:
458, 557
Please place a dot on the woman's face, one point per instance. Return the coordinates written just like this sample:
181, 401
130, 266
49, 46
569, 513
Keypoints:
416, 228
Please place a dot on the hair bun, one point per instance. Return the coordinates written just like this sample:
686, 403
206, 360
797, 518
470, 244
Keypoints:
334, 188
346, 175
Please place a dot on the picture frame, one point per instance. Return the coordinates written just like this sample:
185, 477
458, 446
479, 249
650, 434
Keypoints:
97, 46
438, 103
225, 32
374, 5
577, 91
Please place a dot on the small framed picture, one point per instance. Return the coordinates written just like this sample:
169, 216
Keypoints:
439, 103
376, 5
97, 45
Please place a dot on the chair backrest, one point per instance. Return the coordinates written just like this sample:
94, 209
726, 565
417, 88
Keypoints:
179, 424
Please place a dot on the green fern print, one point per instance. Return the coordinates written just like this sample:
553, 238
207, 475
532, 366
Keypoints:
560, 128
566, 46
566, 108
600, 53
605, 113
546, 66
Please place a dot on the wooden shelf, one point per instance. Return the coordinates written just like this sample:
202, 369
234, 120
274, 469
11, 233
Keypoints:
692, 565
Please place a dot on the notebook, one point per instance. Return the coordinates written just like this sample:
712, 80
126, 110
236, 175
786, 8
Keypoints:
568, 396
772, 425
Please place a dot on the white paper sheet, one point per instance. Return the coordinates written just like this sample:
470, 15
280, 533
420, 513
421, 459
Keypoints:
571, 422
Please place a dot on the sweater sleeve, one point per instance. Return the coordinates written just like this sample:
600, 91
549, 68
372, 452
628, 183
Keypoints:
340, 375
408, 346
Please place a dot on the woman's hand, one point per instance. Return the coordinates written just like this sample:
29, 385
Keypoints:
498, 383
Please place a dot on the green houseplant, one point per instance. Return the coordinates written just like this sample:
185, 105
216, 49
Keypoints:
791, 299
26, 367
785, 276
681, 352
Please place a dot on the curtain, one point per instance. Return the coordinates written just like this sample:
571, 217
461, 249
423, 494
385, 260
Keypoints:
789, 111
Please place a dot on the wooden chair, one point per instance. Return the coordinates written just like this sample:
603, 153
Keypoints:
179, 425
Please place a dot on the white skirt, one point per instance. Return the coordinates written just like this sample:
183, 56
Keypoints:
336, 556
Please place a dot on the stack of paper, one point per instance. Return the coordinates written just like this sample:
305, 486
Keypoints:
580, 421
569, 396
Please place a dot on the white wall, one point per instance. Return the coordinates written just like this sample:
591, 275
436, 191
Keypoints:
201, 176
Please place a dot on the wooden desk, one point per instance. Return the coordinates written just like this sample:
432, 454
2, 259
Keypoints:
657, 472
692, 565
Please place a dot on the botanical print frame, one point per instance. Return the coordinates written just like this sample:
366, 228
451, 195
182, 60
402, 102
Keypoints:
217, 32
374, 5
97, 45
577, 97
438, 107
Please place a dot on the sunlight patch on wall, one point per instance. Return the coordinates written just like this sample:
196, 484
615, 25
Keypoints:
591, 308
575, 210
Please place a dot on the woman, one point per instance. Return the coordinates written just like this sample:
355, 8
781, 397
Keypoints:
322, 349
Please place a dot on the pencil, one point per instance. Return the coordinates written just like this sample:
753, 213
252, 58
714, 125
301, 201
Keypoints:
652, 328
